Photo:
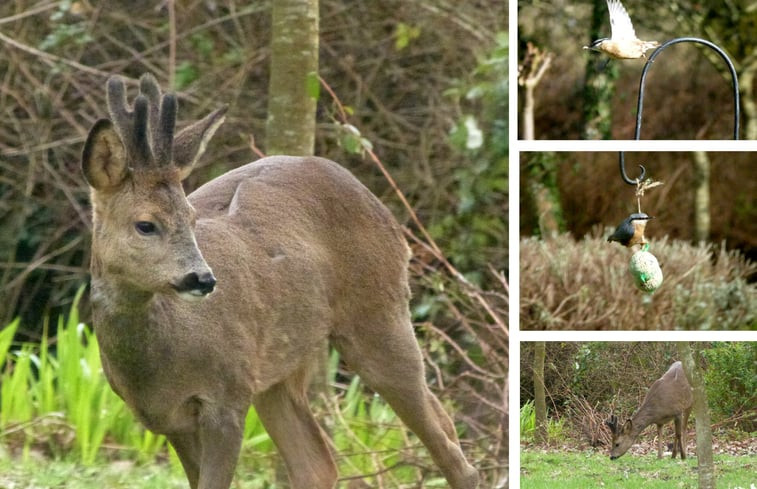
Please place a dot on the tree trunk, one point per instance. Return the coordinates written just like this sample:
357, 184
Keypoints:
600, 83
701, 196
702, 415
544, 192
748, 104
290, 128
528, 113
530, 72
540, 403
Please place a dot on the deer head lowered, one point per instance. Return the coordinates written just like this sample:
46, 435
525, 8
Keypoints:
208, 303
668, 399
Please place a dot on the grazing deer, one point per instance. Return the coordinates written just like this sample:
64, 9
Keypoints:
208, 303
669, 398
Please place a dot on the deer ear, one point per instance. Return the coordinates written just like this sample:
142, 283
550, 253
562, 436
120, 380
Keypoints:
103, 160
190, 143
627, 426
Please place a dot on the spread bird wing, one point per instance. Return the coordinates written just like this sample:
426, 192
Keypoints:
620, 22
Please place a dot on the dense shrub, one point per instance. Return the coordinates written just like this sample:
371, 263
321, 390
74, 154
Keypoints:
569, 284
731, 380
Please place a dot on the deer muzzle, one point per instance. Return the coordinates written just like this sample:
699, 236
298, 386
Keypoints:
195, 285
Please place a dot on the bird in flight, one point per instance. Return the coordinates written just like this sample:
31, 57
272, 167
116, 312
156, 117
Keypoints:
622, 43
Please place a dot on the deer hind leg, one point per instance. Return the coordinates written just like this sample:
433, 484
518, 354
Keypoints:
684, 423
283, 409
680, 435
389, 361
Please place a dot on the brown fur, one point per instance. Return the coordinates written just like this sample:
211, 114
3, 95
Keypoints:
302, 253
668, 399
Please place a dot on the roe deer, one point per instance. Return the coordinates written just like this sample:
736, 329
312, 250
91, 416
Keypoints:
669, 398
208, 303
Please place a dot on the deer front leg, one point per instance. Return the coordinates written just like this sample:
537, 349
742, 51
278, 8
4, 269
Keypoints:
220, 436
659, 441
187, 446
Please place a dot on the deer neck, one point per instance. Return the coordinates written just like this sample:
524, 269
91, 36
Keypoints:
123, 321
114, 298
643, 418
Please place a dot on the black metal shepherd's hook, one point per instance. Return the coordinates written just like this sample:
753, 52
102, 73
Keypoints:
717, 49
624, 175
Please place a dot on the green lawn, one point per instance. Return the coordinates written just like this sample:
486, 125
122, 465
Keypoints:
39, 474
253, 472
581, 470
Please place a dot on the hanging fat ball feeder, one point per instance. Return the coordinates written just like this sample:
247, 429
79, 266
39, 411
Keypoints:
643, 266
645, 270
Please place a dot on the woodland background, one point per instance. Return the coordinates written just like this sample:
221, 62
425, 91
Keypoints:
424, 84
688, 90
587, 381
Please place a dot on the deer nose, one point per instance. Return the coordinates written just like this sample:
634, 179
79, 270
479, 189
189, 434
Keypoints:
195, 284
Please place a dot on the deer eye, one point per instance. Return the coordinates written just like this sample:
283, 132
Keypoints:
146, 228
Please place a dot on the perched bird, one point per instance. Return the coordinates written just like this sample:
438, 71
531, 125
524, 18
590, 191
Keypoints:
623, 43
631, 231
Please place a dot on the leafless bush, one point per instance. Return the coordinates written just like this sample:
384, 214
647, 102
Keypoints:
473, 345
589, 421
568, 284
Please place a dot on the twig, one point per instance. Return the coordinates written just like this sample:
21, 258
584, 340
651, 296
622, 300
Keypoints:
30, 12
253, 147
51, 59
171, 43
457, 348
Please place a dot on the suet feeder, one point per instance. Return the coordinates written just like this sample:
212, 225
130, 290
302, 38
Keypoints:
644, 267
645, 270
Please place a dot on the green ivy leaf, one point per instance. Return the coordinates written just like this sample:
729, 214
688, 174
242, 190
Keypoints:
352, 141
403, 34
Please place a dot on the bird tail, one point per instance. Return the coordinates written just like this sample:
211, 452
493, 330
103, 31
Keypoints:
647, 45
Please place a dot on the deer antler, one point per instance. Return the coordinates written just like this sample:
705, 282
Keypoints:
612, 423
147, 130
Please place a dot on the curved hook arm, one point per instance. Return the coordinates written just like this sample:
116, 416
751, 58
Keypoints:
650, 61
624, 175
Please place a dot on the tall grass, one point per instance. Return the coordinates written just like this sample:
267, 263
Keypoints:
527, 420
55, 397
67, 390
556, 429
